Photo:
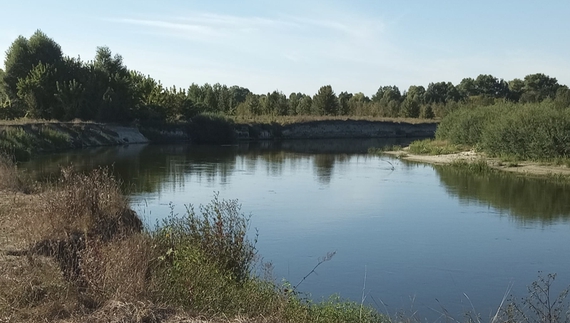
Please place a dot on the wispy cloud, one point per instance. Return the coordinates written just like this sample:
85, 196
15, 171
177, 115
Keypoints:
352, 51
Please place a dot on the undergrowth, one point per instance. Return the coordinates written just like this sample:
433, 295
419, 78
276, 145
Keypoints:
538, 131
435, 147
87, 252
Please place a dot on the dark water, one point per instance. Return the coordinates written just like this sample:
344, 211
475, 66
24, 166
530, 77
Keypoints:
407, 236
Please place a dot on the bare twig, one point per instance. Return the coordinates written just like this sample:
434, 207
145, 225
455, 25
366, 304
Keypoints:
321, 260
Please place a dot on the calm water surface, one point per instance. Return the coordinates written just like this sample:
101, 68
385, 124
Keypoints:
407, 236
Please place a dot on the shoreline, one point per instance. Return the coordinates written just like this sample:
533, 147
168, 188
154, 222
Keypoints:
525, 168
23, 139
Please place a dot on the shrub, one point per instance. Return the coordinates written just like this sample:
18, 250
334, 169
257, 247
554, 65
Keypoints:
212, 128
435, 147
532, 131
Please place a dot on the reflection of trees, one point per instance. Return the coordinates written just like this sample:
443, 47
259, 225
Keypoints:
324, 165
148, 168
527, 199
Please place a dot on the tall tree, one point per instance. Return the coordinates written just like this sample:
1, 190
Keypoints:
325, 101
441, 92
305, 105
344, 108
538, 87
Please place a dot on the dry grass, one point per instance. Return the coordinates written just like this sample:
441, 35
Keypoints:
74, 252
10, 179
285, 120
68, 249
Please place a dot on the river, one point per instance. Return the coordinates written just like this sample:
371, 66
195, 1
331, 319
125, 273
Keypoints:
408, 237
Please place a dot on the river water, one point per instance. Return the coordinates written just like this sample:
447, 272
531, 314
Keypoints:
408, 237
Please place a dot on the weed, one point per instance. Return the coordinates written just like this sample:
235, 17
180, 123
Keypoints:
479, 166
540, 305
435, 147
381, 150
53, 139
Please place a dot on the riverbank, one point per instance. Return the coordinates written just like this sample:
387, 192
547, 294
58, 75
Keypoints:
24, 138
74, 251
528, 168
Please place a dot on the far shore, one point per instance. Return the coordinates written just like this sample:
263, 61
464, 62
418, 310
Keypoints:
531, 168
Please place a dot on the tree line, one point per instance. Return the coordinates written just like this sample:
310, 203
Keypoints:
39, 81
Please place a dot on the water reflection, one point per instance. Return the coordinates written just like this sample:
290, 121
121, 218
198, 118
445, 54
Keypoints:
526, 199
159, 168
147, 168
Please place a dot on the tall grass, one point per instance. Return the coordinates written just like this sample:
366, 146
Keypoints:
532, 131
435, 147
201, 263
10, 179
23, 141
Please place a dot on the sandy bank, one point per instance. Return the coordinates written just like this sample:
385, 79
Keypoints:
520, 167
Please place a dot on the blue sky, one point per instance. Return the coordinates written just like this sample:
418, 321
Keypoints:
298, 46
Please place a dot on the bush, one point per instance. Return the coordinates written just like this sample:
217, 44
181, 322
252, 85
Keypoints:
434, 147
536, 131
211, 128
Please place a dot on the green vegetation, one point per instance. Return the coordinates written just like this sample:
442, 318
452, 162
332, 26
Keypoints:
435, 147
39, 81
525, 118
20, 141
380, 150
479, 166
201, 264
533, 131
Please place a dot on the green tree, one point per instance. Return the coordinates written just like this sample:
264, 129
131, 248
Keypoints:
442, 92
538, 87
416, 93
344, 107
562, 100
516, 88
238, 95
305, 105
491, 86
467, 87
410, 108
37, 91
325, 101
253, 105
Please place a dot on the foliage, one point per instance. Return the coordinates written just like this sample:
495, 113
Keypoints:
325, 102
535, 131
39, 81
21, 141
434, 147
479, 166
539, 306
212, 128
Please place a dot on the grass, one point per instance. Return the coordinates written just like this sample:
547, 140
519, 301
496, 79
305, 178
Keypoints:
381, 150
436, 147
479, 166
285, 120
23, 141
77, 252
26, 121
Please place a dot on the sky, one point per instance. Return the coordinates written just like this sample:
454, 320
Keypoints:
301, 45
